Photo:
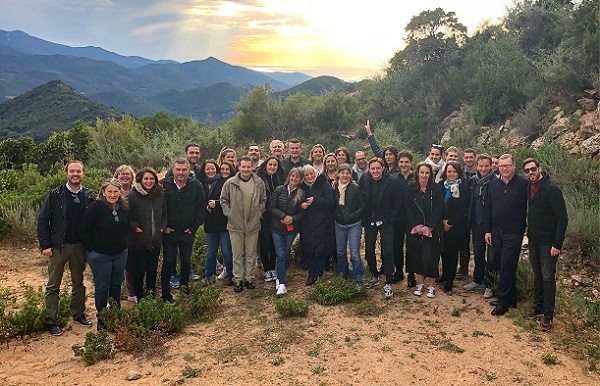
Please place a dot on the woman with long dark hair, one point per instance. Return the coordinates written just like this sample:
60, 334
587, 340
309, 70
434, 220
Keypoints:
343, 155
331, 168
147, 222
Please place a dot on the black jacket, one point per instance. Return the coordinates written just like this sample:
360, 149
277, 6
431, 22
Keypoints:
456, 211
52, 220
354, 208
141, 207
507, 209
101, 232
430, 216
215, 221
316, 230
186, 207
288, 165
547, 215
389, 202
281, 204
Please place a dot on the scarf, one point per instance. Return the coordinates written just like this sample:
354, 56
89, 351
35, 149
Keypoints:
342, 189
437, 168
209, 181
481, 185
452, 189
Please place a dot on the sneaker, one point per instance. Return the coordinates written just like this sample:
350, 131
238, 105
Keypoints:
276, 283
223, 274
546, 325
372, 283
358, 287
419, 290
83, 321
488, 293
431, 292
54, 330
175, 282
533, 313
132, 299
268, 276
219, 266
238, 287
194, 276
281, 290
249, 285
387, 291
472, 286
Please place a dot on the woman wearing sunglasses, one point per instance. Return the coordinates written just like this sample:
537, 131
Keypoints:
105, 227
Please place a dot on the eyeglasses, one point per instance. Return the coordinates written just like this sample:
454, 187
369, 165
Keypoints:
532, 169
505, 166
114, 213
360, 159
75, 198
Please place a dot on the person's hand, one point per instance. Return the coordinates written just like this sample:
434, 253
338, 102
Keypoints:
168, 230
188, 231
447, 226
488, 238
287, 220
368, 128
47, 252
304, 205
554, 252
212, 203
138, 230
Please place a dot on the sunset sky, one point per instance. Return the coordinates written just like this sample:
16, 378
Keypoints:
348, 39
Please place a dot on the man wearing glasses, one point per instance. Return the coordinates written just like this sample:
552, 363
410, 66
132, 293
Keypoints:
60, 241
360, 165
546, 227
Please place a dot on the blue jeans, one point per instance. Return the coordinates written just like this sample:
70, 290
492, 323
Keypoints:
349, 234
213, 240
108, 272
172, 243
283, 246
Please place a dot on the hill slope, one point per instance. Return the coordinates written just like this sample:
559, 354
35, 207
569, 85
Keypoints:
314, 86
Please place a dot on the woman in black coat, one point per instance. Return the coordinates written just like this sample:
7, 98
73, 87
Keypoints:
148, 221
317, 232
456, 209
424, 203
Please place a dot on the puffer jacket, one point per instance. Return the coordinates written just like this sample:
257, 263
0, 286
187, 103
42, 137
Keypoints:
281, 204
142, 205
354, 208
232, 202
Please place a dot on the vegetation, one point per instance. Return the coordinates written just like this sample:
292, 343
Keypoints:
289, 307
97, 347
334, 291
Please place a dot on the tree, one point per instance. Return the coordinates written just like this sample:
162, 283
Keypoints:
16, 152
257, 117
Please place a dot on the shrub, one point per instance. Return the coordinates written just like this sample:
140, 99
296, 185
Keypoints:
200, 301
152, 314
289, 307
96, 347
524, 280
334, 291
3, 226
22, 218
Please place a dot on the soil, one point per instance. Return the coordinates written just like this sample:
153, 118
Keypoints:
449, 340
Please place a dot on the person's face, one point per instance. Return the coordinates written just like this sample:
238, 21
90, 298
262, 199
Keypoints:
390, 158
341, 157
376, 170
125, 177
210, 170
193, 154
112, 194
435, 155
253, 153
331, 164
225, 171
271, 167
495, 162
469, 159
484, 167
405, 164
345, 176
532, 172
310, 177
245, 169
277, 149
451, 156
451, 173
294, 180
294, 149
229, 157
507, 168
361, 159
424, 175
75, 173
181, 172
317, 154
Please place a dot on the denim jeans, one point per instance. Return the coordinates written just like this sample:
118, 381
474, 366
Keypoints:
344, 235
283, 246
172, 243
213, 241
544, 278
108, 272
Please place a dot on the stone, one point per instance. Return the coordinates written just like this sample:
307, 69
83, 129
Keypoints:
587, 103
133, 375
591, 146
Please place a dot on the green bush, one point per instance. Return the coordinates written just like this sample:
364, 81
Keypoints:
289, 307
200, 301
97, 347
150, 313
3, 226
334, 291
524, 280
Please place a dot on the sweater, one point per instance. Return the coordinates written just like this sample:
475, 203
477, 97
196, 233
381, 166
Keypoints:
507, 207
100, 230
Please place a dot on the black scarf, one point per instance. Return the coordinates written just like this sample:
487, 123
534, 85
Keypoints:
481, 185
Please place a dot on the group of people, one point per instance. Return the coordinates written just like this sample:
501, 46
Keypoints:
254, 209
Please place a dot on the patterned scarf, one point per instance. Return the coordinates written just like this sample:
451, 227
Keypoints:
452, 189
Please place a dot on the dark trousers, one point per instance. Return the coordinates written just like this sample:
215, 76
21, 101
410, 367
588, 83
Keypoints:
386, 231
483, 266
267, 248
465, 254
507, 249
544, 278
449, 264
145, 264
173, 243
399, 237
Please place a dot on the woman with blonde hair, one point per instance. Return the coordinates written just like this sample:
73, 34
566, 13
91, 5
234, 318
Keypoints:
316, 157
331, 168
227, 155
125, 174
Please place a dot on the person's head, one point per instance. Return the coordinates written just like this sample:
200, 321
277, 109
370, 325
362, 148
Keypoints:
226, 170
435, 153
343, 155
452, 154
532, 169
181, 170
360, 158
453, 171
110, 194
147, 178
405, 159
209, 168
484, 164
277, 148
376, 166
245, 167
227, 154
310, 173
423, 173
495, 161
317, 153
270, 166
75, 171
331, 163
192, 153
390, 155
295, 176
254, 152
125, 175
469, 157
507, 167
294, 148
344, 173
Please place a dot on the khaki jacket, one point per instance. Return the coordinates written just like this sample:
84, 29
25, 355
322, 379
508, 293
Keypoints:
232, 202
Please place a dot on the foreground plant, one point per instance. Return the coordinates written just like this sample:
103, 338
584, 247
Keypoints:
334, 291
97, 346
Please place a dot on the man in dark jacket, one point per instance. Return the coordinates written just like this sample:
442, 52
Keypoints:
295, 158
186, 208
546, 226
504, 225
192, 154
60, 241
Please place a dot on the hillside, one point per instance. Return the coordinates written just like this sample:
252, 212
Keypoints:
53, 106
314, 86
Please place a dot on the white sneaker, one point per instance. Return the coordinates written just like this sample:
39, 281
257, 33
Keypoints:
281, 290
132, 299
223, 274
488, 293
431, 292
276, 284
419, 290
472, 286
387, 291
268, 276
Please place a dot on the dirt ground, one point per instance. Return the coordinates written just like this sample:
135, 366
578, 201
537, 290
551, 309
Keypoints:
416, 341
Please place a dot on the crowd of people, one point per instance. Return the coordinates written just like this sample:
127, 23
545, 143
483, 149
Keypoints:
254, 209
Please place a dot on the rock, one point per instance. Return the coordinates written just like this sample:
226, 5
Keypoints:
596, 293
557, 108
133, 375
587, 103
577, 278
591, 92
591, 146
